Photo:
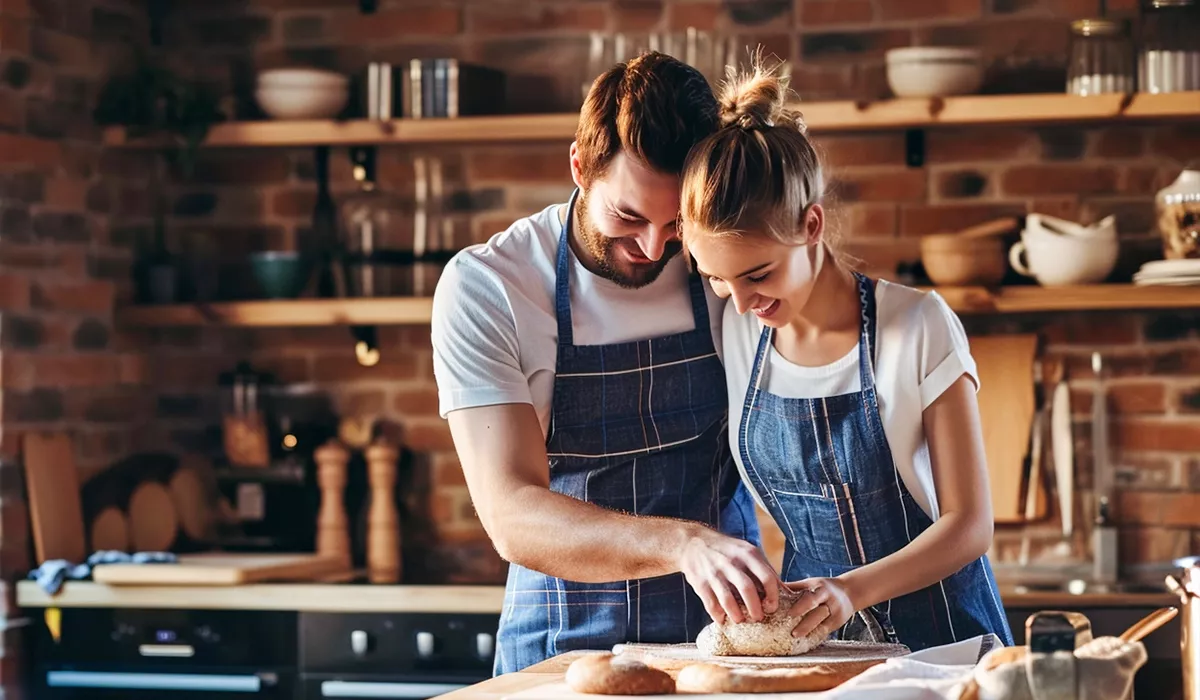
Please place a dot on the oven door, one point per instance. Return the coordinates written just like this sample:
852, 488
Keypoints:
135, 684
333, 688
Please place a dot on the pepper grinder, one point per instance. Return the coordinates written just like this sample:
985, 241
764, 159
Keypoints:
333, 529
383, 519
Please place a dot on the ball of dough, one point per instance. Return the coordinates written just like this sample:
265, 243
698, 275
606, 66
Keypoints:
772, 636
607, 674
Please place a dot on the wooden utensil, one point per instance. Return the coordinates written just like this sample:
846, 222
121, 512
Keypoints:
55, 505
110, 531
995, 227
333, 527
153, 523
1006, 408
383, 519
220, 569
1143, 627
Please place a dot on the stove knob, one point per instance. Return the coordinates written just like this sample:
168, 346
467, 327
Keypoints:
359, 642
485, 646
424, 645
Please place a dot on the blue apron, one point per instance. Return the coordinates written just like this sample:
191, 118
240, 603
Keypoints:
638, 427
825, 473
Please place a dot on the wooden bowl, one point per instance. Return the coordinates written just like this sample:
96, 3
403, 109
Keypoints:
954, 260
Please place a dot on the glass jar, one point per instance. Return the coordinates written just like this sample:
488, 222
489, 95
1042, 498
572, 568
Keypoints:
376, 237
1178, 209
1101, 58
1169, 57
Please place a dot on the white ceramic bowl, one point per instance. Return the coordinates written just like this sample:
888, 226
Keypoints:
928, 71
301, 77
301, 102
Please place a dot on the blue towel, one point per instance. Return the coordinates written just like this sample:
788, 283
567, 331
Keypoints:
51, 574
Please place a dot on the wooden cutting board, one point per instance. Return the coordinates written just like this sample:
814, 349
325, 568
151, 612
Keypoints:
220, 570
559, 690
55, 504
673, 657
1006, 408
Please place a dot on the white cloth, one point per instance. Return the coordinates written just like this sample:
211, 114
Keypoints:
921, 349
494, 331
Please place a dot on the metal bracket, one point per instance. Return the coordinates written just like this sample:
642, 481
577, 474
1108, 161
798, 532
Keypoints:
368, 7
155, 10
914, 148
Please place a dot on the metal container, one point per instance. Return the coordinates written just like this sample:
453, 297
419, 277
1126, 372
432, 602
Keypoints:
1187, 587
1169, 59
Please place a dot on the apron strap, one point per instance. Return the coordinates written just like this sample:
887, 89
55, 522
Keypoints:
866, 340
562, 279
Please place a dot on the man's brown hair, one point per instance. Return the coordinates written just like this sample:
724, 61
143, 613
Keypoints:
654, 107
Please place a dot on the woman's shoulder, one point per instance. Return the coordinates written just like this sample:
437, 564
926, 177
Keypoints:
909, 308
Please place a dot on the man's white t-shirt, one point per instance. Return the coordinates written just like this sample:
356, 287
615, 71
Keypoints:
494, 331
921, 349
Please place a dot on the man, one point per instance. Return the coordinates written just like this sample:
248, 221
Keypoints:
575, 359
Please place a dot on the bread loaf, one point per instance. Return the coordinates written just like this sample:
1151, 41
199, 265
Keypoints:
607, 674
715, 678
772, 636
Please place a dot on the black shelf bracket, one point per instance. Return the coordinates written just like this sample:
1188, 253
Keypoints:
914, 148
368, 7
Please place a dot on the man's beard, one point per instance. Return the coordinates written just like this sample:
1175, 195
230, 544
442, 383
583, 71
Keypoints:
605, 252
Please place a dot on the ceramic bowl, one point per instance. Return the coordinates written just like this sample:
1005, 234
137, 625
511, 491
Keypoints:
280, 274
923, 71
301, 102
954, 260
301, 78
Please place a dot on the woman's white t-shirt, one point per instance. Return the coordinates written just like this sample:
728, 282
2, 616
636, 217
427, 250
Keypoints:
921, 349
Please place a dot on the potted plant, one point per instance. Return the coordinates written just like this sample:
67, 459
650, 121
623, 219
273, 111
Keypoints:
152, 101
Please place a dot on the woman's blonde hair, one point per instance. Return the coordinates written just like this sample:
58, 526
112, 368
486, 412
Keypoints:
759, 173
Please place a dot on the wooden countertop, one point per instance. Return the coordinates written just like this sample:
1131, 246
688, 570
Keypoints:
343, 597
315, 597
548, 671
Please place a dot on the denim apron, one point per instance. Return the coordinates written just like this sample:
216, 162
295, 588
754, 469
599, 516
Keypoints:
825, 472
637, 427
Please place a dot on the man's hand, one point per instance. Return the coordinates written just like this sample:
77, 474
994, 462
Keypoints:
825, 605
725, 572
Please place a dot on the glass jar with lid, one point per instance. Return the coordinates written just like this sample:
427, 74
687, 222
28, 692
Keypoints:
1169, 55
376, 236
1101, 58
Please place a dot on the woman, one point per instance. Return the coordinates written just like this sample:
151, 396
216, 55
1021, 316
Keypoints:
852, 401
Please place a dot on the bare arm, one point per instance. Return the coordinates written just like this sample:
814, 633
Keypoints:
504, 460
962, 533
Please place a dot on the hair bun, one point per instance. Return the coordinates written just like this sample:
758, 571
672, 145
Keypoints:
756, 98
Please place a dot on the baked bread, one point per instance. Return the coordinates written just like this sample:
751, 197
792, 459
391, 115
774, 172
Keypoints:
715, 678
772, 636
608, 674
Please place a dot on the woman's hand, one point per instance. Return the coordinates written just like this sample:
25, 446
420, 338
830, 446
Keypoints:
825, 604
726, 573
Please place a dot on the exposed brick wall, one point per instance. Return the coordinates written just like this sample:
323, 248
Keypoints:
245, 201
62, 365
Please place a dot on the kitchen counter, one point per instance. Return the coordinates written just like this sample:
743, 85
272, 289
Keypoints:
548, 671
345, 597
307, 597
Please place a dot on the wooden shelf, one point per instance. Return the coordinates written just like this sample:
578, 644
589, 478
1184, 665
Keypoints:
842, 116
416, 311
290, 312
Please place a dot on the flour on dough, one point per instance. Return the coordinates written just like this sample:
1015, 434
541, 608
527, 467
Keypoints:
770, 637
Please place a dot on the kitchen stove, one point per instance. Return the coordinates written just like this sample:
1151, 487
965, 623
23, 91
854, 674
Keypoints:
104, 654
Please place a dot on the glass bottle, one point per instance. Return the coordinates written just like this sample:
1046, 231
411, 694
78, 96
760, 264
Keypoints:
1101, 58
376, 236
